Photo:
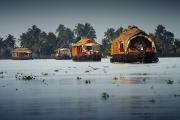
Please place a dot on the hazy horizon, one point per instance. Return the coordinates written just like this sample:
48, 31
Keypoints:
19, 15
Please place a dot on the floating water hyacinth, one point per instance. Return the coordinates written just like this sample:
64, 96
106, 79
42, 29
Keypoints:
45, 74
87, 81
26, 77
56, 70
104, 96
170, 82
78, 78
115, 78
152, 100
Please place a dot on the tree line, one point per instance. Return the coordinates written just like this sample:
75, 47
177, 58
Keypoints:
44, 44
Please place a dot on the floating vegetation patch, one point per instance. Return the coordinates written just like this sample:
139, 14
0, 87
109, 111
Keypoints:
26, 77
44, 82
87, 82
175, 95
115, 78
87, 71
152, 100
144, 80
152, 87
169, 82
56, 70
44, 74
78, 78
104, 96
93, 68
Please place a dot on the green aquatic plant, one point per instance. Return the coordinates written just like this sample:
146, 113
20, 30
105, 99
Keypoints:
170, 82
104, 96
144, 79
152, 100
176, 95
56, 70
115, 78
87, 81
26, 77
78, 78
87, 71
44, 82
152, 87
45, 74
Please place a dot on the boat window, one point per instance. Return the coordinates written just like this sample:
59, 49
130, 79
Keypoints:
89, 48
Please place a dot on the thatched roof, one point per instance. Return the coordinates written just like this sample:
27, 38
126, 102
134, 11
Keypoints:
84, 41
22, 50
129, 33
61, 49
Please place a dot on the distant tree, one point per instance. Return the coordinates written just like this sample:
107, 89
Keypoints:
118, 32
84, 30
30, 38
165, 39
10, 41
48, 43
109, 36
39, 41
7, 45
65, 36
1, 45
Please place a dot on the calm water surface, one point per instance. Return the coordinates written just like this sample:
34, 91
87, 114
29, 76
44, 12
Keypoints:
136, 91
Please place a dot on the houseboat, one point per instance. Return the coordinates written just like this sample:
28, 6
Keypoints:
21, 54
133, 45
62, 54
86, 49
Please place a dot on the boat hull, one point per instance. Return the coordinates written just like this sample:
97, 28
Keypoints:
131, 57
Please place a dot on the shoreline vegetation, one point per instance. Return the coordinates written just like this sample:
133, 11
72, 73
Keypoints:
43, 45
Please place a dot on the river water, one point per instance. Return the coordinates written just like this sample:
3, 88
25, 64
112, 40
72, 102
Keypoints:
69, 90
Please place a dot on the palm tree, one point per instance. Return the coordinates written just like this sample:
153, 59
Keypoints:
84, 30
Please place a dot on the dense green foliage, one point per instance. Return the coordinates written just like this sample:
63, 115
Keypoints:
84, 30
109, 36
6, 45
44, 44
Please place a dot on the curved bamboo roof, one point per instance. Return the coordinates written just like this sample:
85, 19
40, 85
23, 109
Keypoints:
130, 33
22, 50
84, 41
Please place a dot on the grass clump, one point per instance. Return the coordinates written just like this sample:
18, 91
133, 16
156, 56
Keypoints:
104, 96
